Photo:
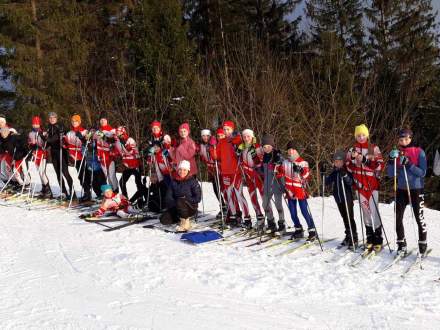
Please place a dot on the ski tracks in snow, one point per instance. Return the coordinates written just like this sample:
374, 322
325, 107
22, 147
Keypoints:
56, 273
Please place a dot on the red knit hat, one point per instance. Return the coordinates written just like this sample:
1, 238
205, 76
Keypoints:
229, 123
220, 131
184, 126
155, 124
36, 120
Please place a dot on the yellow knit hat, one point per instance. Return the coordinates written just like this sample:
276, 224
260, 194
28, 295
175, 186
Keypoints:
76, 118
361, 129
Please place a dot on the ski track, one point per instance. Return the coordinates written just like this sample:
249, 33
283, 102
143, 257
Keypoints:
58, 272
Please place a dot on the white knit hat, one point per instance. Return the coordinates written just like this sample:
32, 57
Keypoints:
184, 164
205, 132
248, 132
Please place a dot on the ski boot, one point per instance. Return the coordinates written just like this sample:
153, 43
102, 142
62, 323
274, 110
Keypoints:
353, 243
271, 227
184, 226
370, 238
297, 234
86, 197
423, 249
312, 235
345, 241
281, 228
247, 223
402, 250
232, 221
46, 192
260, 223
378, 240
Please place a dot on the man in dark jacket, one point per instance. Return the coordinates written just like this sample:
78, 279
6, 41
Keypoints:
182, 199
59, 157
341, 180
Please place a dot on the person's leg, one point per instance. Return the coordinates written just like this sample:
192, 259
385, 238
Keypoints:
305, 211
401, 202
294, 213
123, 182
418, 201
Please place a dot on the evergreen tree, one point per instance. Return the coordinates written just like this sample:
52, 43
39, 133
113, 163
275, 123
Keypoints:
340, 20
403, 56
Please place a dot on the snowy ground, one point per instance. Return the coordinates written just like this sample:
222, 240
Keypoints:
58, 272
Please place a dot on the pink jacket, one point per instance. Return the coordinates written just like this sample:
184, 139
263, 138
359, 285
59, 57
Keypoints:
185, 150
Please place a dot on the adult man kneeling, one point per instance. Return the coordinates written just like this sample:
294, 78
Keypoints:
182, 199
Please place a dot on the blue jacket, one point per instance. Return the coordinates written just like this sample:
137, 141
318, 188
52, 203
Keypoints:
334, 179
188, 188
415, 169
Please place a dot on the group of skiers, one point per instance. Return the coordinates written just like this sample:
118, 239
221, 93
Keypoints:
232, 160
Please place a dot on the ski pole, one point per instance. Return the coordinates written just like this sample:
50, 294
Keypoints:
323, 204
395, 198
361, 216
79, 170
411, 204
377, 210
219, 193
61, 168
348, 213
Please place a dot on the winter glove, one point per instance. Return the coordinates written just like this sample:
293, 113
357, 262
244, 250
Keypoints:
150, 151
165, 152
322, 168
394, 153
166, 139
404, 161
79, 135
297, 169
213, 141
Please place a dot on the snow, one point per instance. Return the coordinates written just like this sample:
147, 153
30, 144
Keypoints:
59, 272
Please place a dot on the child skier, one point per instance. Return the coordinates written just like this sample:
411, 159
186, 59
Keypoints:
365, 162
271, 160
185, 149
75, 141
127, 148
37, 144
205, 156
105, 139
342, 181
113, 203
251, 158
296, 173
411, 170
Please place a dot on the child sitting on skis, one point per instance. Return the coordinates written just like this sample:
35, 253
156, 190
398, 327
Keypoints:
341, 182
296, 173
115, 203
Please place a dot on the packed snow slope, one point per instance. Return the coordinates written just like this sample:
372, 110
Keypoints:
59, 272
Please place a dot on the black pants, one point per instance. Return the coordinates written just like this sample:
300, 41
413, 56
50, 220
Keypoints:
98, 180
417, 201
63, 164
182, 210
126, 175
343, 211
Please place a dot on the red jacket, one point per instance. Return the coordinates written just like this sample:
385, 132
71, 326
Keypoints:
224, 153
73, 144
295, 182
366, 174
185, 150
113, 204
129, 152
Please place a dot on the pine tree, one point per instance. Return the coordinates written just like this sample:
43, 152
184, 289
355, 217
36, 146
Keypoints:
163, 59
340, 20
403, 56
